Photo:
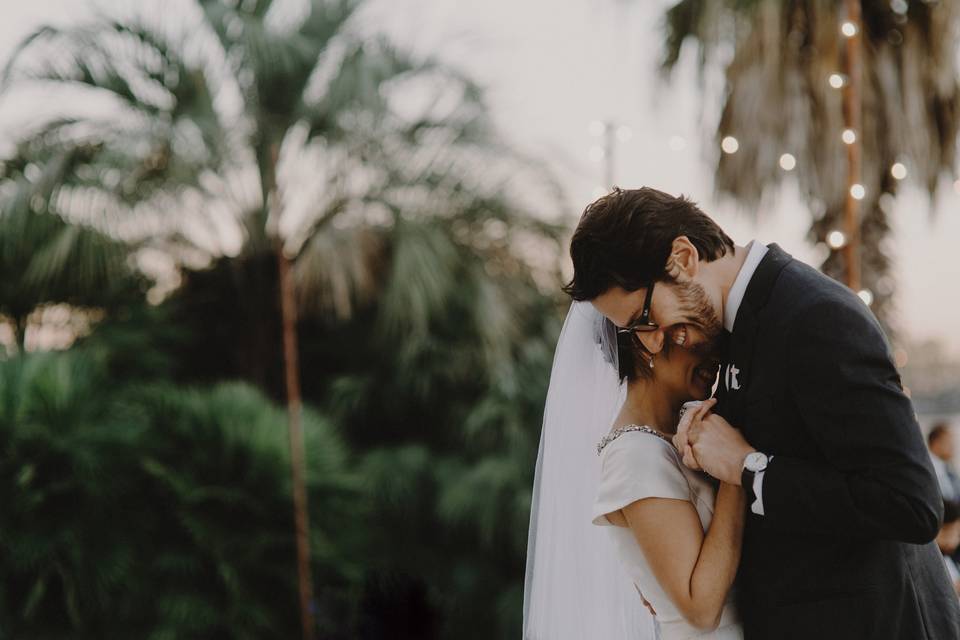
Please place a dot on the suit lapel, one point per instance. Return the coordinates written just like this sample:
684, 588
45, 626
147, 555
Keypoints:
736, 374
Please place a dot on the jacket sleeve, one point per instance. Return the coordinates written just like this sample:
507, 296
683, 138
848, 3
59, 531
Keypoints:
875, 479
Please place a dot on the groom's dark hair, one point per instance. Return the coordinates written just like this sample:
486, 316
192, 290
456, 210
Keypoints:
625, 237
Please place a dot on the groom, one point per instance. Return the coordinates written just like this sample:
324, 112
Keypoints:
844, 503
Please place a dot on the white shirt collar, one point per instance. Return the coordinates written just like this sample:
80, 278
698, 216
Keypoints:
755, 253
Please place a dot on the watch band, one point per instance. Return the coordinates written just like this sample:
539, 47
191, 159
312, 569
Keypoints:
746, 481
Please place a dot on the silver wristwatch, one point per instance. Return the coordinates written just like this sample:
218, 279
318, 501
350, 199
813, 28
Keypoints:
755, 462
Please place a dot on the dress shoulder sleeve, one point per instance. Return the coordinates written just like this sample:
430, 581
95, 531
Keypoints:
636, 466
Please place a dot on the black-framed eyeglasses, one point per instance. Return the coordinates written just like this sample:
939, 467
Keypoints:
643, 324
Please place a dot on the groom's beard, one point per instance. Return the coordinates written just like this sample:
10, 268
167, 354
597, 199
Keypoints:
696, 307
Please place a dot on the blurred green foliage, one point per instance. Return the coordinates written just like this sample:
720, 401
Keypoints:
142, 505
135, 508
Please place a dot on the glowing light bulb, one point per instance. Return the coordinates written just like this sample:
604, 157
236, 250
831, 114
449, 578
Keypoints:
729, 144
836, 80
836, 239
848, 29
867, 296
849, 136
858, 192
787, 162
898, 170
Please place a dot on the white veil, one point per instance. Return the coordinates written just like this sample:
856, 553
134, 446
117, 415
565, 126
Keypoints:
575, 587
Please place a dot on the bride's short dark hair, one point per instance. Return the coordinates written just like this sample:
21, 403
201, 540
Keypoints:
633, 358
623, 351
625, 237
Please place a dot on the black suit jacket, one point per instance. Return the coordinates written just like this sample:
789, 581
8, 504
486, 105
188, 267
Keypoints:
851, 501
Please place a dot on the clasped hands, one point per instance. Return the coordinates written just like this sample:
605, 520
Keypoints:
708, 442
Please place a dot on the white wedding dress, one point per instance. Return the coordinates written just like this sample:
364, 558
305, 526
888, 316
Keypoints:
637, 464
581, 580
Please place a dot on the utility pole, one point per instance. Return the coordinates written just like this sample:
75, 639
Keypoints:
609, 145
611, 132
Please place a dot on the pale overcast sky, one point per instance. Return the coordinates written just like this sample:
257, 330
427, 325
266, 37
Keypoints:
550, 68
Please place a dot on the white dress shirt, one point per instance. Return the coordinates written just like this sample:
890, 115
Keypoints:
755, 253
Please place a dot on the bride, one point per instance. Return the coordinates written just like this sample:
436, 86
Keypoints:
668, 538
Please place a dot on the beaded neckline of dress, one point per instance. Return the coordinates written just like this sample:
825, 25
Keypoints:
613, 435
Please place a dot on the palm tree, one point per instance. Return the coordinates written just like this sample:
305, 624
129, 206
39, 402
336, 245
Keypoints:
277, 123
778, 98
56, 262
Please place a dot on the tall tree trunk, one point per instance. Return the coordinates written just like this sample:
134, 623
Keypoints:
288, 313
852, 106
288, 310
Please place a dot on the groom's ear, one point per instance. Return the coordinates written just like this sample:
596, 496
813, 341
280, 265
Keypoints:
683, 263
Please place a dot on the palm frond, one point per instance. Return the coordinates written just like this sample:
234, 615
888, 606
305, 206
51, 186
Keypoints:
340, 270
354, 90
777, 100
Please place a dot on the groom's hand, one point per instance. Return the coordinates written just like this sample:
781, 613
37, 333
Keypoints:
681, 441
719, 448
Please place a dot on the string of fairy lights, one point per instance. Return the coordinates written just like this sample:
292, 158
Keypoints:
844, 239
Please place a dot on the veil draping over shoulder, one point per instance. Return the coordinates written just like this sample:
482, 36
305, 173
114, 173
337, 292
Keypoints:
575, 587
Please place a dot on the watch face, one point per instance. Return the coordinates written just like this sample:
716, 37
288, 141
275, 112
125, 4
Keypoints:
756, 461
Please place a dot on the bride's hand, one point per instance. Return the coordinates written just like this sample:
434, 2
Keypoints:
681, 439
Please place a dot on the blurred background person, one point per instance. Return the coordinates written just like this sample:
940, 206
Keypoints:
940, 442
949, 539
